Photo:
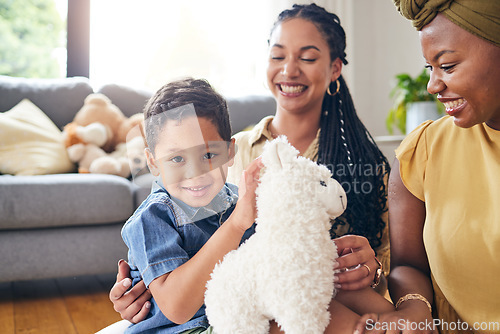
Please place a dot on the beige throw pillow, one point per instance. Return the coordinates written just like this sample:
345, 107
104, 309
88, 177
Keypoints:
30, 143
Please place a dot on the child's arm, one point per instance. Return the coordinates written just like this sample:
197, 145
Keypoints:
180, 293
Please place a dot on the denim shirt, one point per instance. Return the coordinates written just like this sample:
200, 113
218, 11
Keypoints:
164, 233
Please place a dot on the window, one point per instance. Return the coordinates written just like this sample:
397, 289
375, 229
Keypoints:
150, 42
141, 44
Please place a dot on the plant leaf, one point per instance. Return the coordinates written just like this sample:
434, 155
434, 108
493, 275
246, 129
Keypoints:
406, 90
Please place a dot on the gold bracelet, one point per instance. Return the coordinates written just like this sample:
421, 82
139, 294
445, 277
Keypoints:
414, 296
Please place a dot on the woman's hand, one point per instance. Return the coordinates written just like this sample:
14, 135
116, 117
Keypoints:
356, 263
132, 304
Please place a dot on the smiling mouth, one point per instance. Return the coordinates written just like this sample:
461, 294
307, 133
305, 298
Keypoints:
195, 189
292, 89
198, 191
451, 105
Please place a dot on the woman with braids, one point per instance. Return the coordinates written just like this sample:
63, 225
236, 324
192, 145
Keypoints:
316, 112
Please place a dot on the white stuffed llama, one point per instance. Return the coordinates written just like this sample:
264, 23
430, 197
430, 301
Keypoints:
285, 270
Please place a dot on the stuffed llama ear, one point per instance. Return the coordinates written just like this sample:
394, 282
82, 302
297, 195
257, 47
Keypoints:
286, 152
279, 152
270, 156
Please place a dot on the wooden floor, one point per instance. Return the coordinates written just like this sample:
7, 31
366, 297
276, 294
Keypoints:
66, 306
60, 306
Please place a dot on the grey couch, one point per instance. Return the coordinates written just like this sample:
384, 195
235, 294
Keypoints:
63, 225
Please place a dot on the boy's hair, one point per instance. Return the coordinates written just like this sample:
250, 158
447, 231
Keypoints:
165, 105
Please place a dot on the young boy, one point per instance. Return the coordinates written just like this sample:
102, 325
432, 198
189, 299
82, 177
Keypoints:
176, 236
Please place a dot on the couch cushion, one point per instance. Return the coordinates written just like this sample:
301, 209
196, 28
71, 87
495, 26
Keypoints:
243, 111
30, 143
63, 200
130, 101
60, 252
60, 99
249, 110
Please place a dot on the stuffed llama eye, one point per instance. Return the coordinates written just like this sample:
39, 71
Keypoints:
323, 183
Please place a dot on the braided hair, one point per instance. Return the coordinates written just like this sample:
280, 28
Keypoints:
345, 145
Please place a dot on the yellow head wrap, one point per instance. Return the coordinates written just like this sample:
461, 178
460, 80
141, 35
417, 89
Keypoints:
480, 17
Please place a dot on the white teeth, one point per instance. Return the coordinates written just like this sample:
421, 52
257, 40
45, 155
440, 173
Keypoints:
453, 104
292, 89
196, 189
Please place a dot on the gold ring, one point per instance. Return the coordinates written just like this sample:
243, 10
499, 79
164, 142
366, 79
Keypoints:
369, 271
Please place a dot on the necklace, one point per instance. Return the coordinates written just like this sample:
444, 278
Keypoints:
274, 135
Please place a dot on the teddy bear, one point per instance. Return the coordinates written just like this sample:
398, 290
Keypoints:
131, 132
114, 163
98, 107
94, 133
131, 127
83, 145
84, 155
285, 270
136, 156
97, 138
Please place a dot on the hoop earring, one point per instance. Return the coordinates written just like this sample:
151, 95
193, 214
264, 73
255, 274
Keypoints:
338, 88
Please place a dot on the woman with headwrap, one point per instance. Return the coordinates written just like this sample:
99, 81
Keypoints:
444, 188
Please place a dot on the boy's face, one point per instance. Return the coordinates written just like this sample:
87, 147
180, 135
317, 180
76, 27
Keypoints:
192, 159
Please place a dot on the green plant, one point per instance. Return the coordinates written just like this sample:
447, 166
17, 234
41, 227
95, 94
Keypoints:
407, 90
30, 32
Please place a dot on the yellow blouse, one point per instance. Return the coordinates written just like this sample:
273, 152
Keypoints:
456, 172
249, 145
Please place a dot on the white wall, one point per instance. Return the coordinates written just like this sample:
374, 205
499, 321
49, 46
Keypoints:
383, 44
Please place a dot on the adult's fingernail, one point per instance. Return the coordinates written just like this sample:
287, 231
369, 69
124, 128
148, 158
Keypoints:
127, 282
148, 304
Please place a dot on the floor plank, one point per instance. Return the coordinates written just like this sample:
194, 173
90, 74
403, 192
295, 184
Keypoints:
38, 308
6, 309
65, 305
87, 302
